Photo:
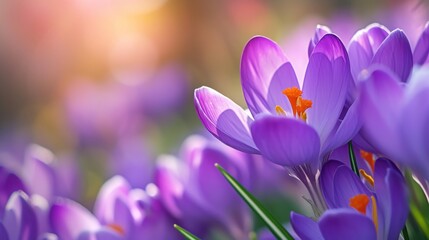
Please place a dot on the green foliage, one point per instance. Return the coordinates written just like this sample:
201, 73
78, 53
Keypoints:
275, 226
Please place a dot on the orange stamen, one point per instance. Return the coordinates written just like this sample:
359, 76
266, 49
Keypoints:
367, 177
374, 213
280, 110
292, 94
117, 228
369, 158
359, 202
302, 105
298, 104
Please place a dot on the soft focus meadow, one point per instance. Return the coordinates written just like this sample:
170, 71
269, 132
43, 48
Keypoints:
228, 119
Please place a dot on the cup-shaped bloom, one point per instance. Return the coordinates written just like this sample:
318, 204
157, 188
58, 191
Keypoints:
197, 194
395, 116
377, 210
19, 220
288, 124
120, 213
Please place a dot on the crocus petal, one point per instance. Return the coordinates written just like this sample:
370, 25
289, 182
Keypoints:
395, 53
170, 189
102, 234
381, 96
413, 122
224, 119
327, 181
363, 46
261, 58
318, 34
3, 232
325, 84
305, 227
69, 219
392, 196
286, 141
39, 174
346, 224
19, 218
421, 50
346, 185
110, 192
347, 129
284, 77
9, 183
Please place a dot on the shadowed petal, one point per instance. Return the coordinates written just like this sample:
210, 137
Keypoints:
3, 232
224, 119
340, 224
392, 196
327, 181
286, 141
325, 84
283, 78
348, 127
395, 53
261, 58
421, 50
346, 185
305, 227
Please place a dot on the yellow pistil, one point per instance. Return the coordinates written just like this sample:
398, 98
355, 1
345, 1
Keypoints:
298, 104
374, 213
369, 158
117, 228
359, 202
367, 177
280, 110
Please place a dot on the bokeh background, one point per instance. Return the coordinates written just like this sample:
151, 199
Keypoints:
107, 85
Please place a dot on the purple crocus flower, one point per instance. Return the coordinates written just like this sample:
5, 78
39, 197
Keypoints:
394, 117
20, 220
376, 210
119, 213
196, 193
292, 130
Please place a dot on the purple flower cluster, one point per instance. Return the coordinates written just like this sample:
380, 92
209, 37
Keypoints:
373, 93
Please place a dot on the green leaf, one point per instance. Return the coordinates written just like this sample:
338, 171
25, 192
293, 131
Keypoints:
352, 157
185, 233
275, 226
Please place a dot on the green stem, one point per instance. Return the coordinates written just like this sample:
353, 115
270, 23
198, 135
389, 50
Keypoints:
405, 233
275, 226
185, 233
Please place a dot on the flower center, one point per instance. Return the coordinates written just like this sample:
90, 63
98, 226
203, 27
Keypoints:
299, 105
117, 228
359, 202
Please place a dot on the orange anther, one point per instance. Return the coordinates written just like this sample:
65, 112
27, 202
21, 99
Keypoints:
369, 158
302, 105
280, 110
117, 228
359, 202
367, 177
292, 94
